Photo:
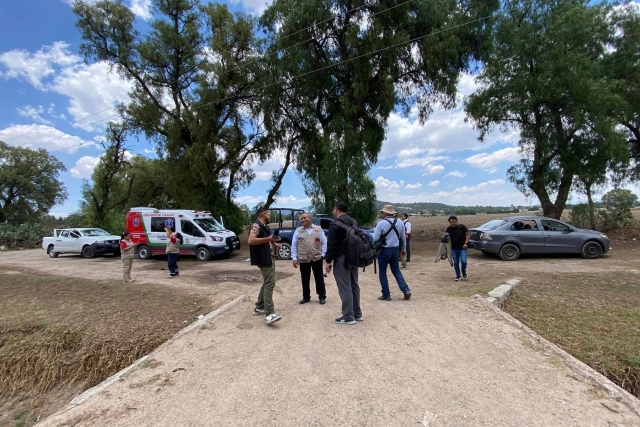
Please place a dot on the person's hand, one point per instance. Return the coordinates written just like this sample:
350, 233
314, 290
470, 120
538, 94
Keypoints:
403, 253
327, 268
274, 239
295, 263
465, 246
278, 245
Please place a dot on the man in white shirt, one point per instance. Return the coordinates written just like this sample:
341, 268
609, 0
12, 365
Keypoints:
404, 259
308, 248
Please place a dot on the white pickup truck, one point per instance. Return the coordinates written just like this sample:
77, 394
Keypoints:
88, 242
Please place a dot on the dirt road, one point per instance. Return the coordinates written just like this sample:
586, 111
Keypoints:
436, 360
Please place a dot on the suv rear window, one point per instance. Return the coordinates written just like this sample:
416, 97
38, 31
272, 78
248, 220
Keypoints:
493, 224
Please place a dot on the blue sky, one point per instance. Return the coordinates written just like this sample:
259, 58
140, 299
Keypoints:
52, 99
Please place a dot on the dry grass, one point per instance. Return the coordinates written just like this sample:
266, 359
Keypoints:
595, 317
61, 332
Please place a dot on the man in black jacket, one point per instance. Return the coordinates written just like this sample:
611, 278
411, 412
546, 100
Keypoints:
260, 241
346, 275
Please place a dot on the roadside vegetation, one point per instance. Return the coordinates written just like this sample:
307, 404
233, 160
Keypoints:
63, 335
595, 317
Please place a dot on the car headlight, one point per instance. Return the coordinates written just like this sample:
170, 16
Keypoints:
604, 236
485, 236
217, 239
100, 241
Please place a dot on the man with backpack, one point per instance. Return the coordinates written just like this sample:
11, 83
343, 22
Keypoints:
389, 235
346, 274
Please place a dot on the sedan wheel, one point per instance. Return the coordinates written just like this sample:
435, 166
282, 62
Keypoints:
591, 250
284, 252
509, 252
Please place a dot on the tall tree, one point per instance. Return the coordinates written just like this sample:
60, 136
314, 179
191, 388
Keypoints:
193, 75
340, 67
29, 183
623, 67
544, 77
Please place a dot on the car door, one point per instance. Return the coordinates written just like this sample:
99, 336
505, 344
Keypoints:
528, 236
157, 236
63, 242
191, 235
559, 237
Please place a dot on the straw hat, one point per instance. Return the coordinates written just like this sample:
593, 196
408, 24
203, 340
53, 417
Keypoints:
389, 209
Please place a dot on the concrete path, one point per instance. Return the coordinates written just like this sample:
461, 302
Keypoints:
431, 361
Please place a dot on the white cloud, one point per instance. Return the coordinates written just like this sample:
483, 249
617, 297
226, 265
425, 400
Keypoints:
41, 136
385, 184
141, 8
434, 183
288, 201
482, 186
457, 174
33, 113
487, 161
91, 89
434, 169
385, 167
84, 167
249, 200
413, 186
254, 6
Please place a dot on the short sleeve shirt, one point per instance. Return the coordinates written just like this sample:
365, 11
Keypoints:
457, 236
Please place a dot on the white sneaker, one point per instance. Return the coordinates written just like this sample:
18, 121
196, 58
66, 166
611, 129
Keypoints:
272, 318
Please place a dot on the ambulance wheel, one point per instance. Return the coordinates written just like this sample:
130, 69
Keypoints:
144, 252
203, 254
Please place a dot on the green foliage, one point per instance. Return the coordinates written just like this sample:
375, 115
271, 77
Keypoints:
582, 216
544, 76
336, 117
618, 203
29, 184
25, 235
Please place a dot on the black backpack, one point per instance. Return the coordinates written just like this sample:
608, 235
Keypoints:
358, 250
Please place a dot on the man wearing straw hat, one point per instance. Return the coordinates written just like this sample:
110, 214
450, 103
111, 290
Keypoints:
391, 230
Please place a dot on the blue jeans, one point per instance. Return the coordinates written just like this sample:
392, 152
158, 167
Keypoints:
173, 264
459, 256
391, 257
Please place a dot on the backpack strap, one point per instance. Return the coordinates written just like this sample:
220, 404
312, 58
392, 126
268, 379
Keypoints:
393, 227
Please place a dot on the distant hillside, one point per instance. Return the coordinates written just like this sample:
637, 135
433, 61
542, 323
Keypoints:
428, 208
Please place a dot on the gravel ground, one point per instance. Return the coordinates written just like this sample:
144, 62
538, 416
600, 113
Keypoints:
435, 360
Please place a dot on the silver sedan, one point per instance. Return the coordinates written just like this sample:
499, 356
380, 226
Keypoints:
512, 236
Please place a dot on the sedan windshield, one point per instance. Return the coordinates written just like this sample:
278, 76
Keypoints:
95, 232
493, 224
209, 225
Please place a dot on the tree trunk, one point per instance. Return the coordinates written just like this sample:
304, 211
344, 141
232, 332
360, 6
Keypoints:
274, 191
592, 217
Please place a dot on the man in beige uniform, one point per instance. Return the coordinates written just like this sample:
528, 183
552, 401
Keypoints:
308, 247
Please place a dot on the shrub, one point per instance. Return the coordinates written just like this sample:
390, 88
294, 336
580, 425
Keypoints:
27, 235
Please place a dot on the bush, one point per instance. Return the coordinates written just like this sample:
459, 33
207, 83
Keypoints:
27, 235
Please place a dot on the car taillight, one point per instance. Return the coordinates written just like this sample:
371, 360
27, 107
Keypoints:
485, 236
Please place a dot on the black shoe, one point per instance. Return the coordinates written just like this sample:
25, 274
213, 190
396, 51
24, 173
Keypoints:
343, 321
383, 298
407, 295
323, 300
304, 301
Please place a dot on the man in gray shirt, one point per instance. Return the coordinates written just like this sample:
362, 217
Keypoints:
392, 230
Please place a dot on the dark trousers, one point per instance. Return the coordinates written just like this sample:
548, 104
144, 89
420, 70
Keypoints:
305, 273
408, 249
173, 264
348, 288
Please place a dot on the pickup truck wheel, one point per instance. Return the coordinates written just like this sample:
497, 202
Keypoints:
203, 254
87, 252
284, 252
144, 252
51, 253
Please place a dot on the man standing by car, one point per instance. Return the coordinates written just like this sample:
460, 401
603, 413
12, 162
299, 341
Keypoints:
459, 236
260, 241
308, 248
346, 275
392, 231
404, 259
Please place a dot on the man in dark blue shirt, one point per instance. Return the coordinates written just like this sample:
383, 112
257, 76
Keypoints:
459, 236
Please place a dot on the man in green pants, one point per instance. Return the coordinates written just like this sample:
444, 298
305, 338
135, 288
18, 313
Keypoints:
260, 241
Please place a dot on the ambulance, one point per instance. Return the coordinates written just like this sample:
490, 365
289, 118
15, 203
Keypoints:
202, 235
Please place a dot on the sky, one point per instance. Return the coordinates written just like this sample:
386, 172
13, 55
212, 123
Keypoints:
53, 99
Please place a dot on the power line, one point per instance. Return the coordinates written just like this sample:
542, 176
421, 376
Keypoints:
236, 69
297, 76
